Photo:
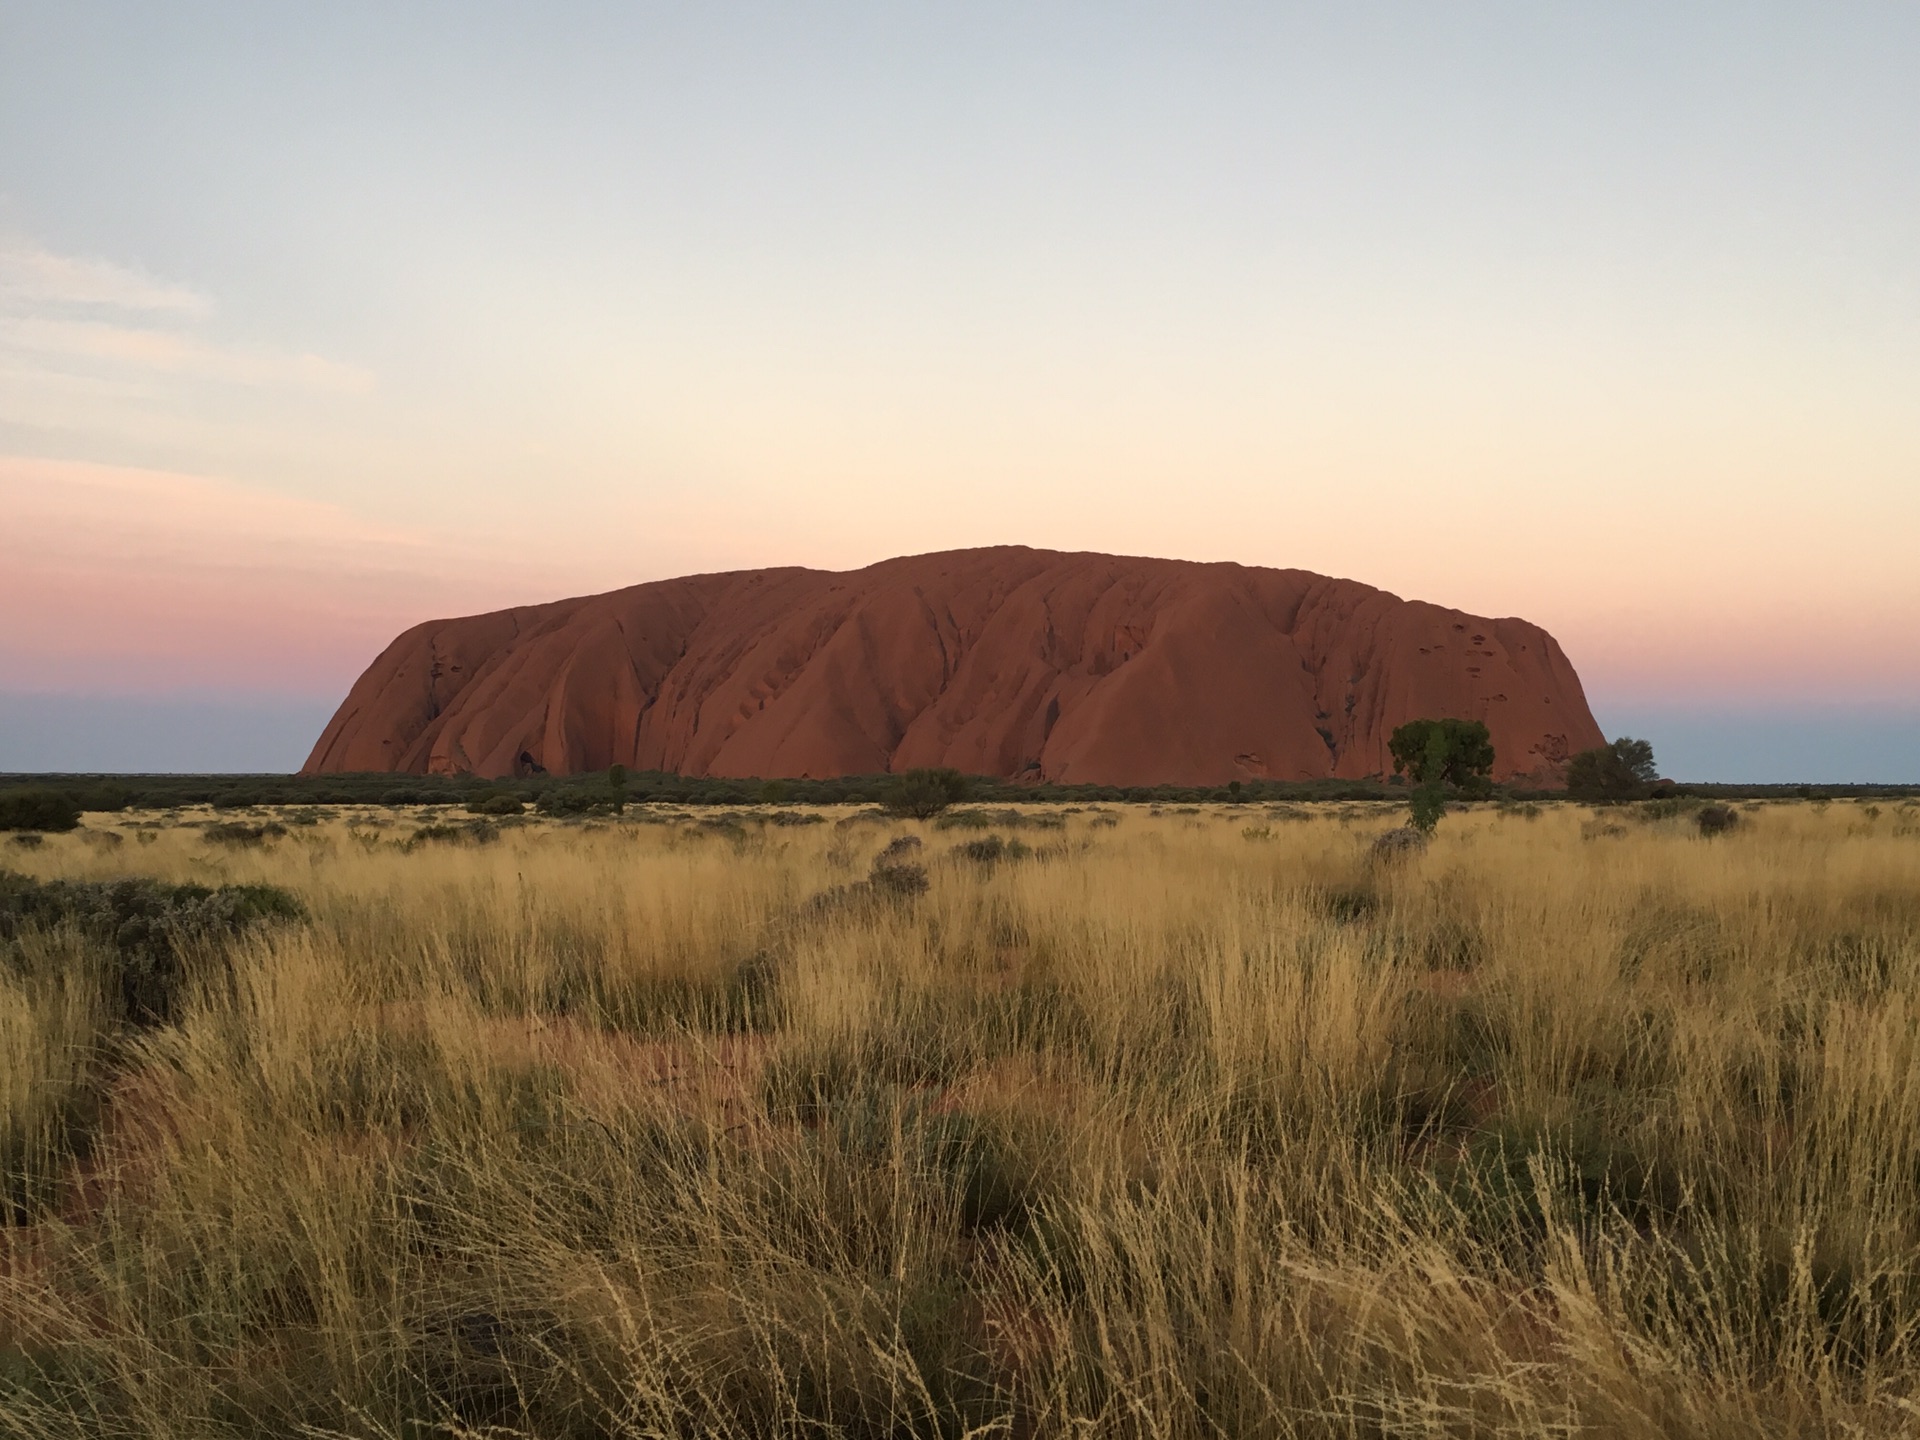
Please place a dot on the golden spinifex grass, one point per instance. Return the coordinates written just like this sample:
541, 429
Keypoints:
1175, 1124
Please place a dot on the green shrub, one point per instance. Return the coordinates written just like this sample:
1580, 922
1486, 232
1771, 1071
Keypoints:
923, 794
1611, 774
1440, 754
901, 879
1716, 819
1008, 819
38, 810
795, 817
991, 850
91, 795
236, 834
897, 851
474, 832
577, 801
150, 926
500, 804
1428, 804
894, 877
1452, 752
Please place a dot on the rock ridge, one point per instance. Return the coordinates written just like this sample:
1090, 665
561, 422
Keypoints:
1075, 668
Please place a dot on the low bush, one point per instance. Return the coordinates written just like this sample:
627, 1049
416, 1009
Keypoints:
1011, 819
474, 832
151, 927
234, 833
992, 849
1399, 844
38, 810
578, 801
900, 878
923, 794
1716, 819
497, 805
893, 877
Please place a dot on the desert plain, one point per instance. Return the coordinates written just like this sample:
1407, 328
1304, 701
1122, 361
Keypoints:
1210, 1120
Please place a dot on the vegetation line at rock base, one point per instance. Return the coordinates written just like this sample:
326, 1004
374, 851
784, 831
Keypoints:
107, 793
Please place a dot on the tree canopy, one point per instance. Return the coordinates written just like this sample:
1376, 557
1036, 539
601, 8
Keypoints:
1437, 754
1606, 774
1445, 752
925, 793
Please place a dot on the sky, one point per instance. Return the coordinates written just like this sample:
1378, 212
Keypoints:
318, 321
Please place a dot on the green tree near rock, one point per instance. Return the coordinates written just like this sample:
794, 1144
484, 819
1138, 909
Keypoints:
923, 794
1441, 757
1612, 774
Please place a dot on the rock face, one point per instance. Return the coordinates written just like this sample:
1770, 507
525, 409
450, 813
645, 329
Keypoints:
1026, 664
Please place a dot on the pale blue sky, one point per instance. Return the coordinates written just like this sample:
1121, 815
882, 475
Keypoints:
318, 320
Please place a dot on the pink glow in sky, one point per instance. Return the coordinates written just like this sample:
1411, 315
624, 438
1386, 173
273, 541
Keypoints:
122, 580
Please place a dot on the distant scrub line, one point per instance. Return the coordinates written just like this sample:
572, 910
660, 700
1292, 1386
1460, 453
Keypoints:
54, 802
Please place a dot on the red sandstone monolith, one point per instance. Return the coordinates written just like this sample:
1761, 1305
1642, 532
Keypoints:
1026, 664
